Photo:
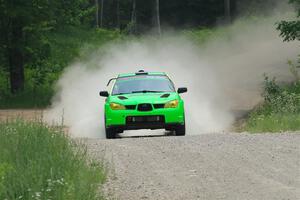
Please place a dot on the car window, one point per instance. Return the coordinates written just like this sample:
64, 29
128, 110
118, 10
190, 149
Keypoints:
136, 84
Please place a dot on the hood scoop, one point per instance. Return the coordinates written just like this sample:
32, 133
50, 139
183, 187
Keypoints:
165, 96
122, 97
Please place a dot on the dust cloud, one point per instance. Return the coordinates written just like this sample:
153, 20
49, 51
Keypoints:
223, 75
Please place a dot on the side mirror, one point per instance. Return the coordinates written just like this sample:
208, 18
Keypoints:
104, 94
182, 90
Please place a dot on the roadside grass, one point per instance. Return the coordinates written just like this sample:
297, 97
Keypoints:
273, 123
65, 46
280, 111
38, 162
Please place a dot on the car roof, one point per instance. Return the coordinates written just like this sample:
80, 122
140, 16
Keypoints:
142, 73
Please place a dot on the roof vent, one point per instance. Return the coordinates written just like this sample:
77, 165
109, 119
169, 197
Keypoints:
141, 72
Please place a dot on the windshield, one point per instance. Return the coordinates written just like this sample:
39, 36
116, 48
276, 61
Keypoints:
142, 84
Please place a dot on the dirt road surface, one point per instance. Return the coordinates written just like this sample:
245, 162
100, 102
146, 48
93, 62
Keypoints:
211, 166
220, 166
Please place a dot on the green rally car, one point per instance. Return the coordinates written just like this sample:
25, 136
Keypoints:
143, 100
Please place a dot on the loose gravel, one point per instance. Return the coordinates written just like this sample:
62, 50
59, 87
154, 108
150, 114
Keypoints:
210, 166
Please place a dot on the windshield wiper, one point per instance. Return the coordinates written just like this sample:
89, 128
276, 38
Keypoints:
146, 91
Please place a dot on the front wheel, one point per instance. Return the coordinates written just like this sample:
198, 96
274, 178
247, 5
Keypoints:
110, 133
180, 130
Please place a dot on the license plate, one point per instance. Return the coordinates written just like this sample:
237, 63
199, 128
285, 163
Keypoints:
145, 119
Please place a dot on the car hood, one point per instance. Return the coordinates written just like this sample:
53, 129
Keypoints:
153, 98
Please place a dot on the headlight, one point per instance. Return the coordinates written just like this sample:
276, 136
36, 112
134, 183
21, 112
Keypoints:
172, 104
116, 106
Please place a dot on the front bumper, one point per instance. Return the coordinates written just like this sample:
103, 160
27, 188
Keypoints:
167, 126
118, 118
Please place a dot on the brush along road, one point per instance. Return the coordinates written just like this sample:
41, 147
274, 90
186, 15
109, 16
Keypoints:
212, 166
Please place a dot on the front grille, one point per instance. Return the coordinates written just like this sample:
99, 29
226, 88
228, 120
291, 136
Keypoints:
135, 120
157, 106
145, 107
130, 107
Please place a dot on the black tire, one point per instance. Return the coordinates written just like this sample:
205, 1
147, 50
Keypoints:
110, 133
180, 130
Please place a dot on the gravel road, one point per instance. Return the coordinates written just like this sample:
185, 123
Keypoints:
210, 166
229, 166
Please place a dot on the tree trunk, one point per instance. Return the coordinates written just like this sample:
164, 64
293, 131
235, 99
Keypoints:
157, 17
227, 11
118, 15
101, 15
15, 54
133, 17
97, 13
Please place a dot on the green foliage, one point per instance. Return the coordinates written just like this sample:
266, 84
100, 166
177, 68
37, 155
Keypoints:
37, 162
281, 99
24, 28
280, 110
76, 43
29, 98
290, 30
65, 47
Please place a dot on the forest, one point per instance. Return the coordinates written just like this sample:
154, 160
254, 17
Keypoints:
53, 54
40, 38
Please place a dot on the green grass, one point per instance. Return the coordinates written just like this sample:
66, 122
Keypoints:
66, 46
280, 111
37, 162
273, 123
